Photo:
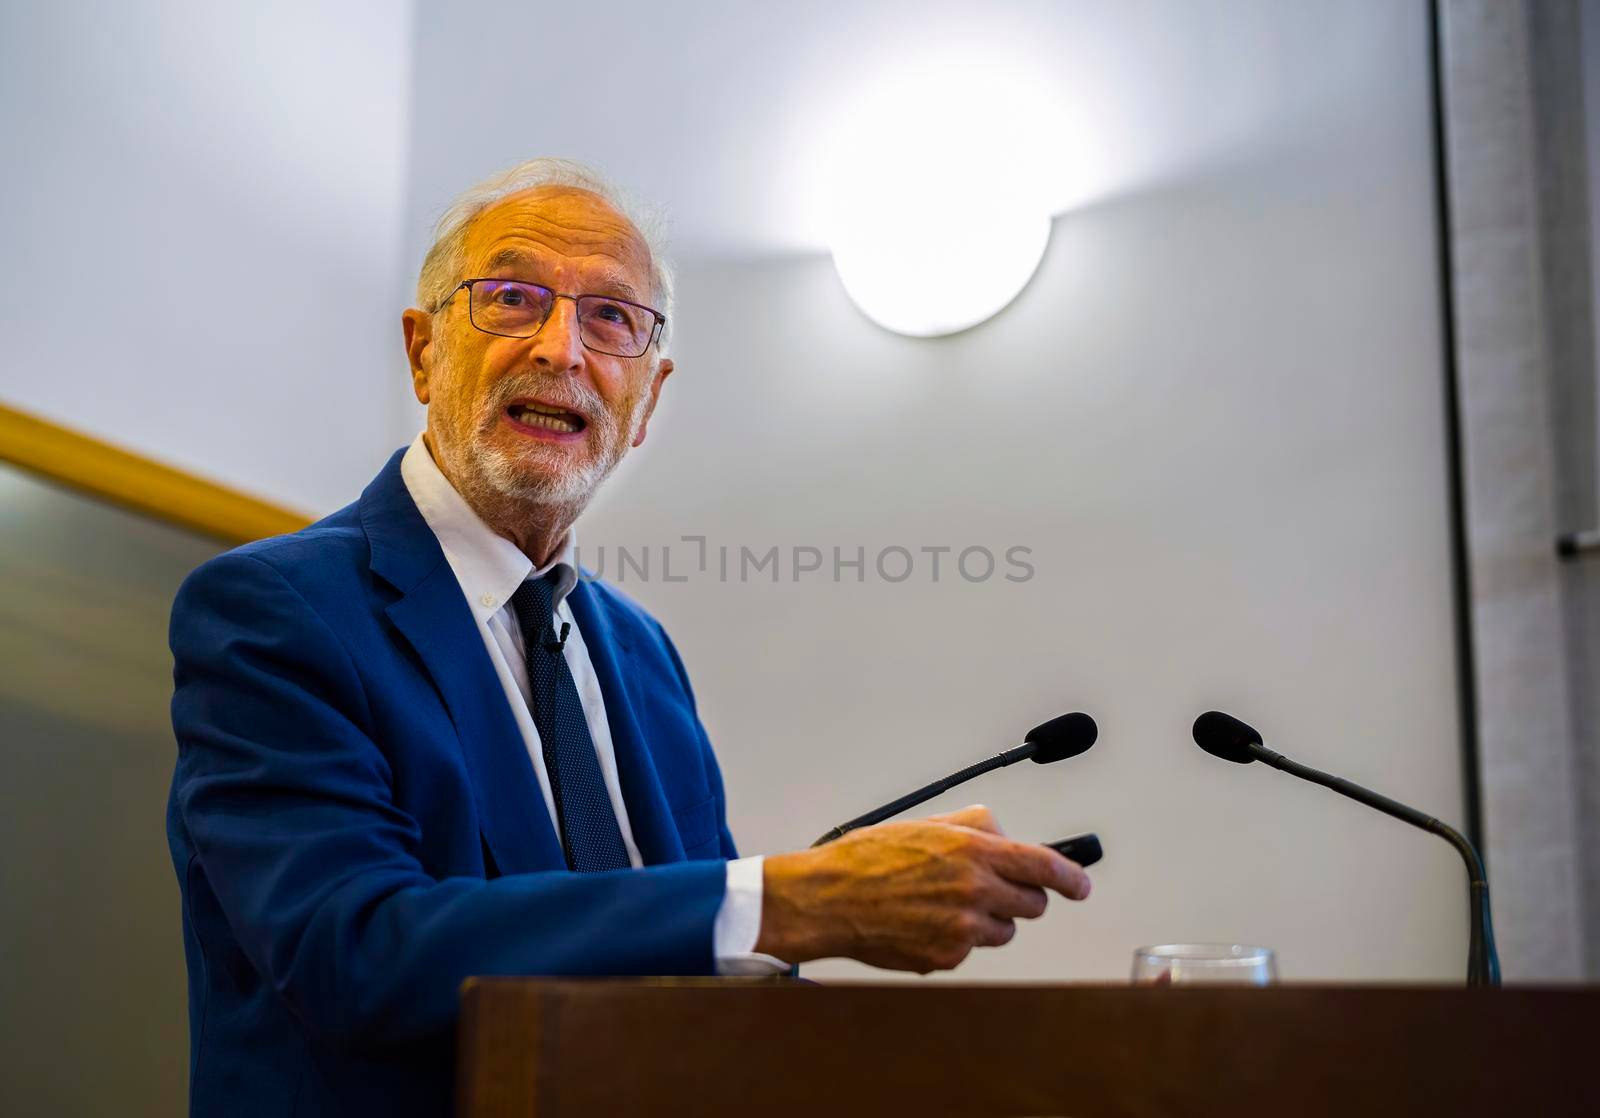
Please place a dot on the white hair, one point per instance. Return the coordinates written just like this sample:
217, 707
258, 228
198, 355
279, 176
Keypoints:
445, 260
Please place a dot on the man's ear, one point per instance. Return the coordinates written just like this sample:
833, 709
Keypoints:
663, 370
418, 327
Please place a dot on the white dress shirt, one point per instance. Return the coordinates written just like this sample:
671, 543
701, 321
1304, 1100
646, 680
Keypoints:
489, 568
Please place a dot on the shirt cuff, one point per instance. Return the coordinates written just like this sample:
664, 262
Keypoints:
738, 925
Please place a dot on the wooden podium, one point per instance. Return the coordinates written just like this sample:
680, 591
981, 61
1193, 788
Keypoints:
774, 1048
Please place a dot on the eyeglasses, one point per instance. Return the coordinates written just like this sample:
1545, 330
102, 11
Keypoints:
513, 309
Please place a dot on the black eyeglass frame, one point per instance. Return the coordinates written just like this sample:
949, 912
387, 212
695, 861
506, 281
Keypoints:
655, 331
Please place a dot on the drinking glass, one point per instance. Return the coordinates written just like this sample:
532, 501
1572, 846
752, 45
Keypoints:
1198, 964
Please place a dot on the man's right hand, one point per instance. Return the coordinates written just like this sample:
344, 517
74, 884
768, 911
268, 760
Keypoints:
917, 895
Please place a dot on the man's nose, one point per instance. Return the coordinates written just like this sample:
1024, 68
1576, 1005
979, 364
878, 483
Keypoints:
559, 343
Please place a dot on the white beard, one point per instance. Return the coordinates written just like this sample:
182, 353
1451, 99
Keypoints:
517, 477
561, 485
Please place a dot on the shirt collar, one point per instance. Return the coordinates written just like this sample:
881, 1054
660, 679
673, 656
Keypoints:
488, 566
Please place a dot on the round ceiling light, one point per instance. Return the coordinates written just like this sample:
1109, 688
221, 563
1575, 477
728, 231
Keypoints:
938, 219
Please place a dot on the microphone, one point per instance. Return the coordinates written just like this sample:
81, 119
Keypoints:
556, 644
1222, 735
1064, 736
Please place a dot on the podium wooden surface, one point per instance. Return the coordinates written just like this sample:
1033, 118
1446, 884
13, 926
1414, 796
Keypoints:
564, 1049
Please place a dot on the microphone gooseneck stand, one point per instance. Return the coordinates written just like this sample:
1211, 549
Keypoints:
1064, 736
1483, 962
929, 791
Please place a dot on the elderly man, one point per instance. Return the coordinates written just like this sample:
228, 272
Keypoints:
415, 746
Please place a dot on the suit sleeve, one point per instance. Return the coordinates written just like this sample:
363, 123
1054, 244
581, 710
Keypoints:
287, 802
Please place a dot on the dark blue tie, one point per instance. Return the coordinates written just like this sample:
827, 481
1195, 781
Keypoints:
589, 832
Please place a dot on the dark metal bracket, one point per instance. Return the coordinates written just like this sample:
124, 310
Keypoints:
1572, 545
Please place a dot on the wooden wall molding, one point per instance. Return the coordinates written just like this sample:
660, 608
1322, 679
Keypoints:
123, 478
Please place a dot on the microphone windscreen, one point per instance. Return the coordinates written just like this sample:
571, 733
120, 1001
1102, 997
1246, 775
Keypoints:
1065, 736
1223, 735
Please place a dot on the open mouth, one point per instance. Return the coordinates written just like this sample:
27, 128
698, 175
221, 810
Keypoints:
545, 417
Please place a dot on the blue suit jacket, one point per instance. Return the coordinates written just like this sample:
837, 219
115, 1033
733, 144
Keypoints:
356, 825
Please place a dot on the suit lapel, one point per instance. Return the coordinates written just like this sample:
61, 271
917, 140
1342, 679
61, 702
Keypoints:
649, 815
433, 616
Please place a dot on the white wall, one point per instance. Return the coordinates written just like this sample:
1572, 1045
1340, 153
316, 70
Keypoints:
201, 212
1215, 417
1589, 52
